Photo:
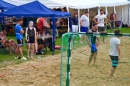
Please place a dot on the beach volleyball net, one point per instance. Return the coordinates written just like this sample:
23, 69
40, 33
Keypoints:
74, 69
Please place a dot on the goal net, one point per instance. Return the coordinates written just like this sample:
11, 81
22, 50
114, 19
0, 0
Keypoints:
74, 69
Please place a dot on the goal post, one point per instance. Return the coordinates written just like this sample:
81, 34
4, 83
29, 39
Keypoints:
75, 55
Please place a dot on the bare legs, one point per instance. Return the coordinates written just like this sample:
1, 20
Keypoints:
112, 71
93, 55
30, 48
83, 38
90, 58
7, 43
20, 51
36, 47
103, 38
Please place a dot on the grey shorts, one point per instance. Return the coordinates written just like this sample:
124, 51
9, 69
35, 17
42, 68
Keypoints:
100, 29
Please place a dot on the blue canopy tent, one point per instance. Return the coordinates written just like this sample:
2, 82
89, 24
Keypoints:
36, 9
5, 5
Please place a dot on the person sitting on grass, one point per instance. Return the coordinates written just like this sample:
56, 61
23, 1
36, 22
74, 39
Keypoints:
115, 52
4, 41
30, 39
15, 48
93, 43
11, 43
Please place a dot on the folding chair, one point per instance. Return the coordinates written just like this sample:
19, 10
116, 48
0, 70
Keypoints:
3, 49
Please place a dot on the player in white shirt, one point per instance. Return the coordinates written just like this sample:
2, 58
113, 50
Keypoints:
114, 52
100, 20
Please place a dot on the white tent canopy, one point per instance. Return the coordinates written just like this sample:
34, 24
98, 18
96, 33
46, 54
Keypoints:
77, 4
48, 3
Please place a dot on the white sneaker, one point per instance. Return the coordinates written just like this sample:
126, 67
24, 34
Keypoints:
16, 57
24, 58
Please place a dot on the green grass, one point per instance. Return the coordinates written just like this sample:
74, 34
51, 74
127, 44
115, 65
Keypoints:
7, 59
123, 30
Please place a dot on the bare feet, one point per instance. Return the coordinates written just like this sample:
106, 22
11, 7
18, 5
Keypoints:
88, 64
111, 76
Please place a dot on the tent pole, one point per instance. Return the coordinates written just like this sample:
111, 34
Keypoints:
89, 20
79, 19
53, 35
114, 19
3, 20
70, 24
106, 11
98, 10
68, 19
121, 16
129, 14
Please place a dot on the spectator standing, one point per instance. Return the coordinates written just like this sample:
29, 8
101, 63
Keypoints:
19, 36
84, 20
100, 20
113, 19
30, 39
75, 23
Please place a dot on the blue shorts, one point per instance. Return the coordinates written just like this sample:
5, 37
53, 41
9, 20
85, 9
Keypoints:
93, 48
84, 29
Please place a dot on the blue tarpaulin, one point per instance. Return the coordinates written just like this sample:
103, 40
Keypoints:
5, 5
35, 9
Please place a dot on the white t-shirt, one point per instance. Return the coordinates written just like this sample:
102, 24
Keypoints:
85, 21
101, 20
113, 46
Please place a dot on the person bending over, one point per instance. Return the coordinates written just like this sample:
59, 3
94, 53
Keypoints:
93, 43
115, 52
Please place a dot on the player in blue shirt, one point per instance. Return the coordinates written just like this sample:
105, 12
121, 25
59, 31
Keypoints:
19, 36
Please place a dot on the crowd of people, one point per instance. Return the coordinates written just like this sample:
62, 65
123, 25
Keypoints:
36, 38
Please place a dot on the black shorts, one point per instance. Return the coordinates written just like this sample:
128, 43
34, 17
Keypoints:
100, 29
41, 42
20, 42
31, 39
